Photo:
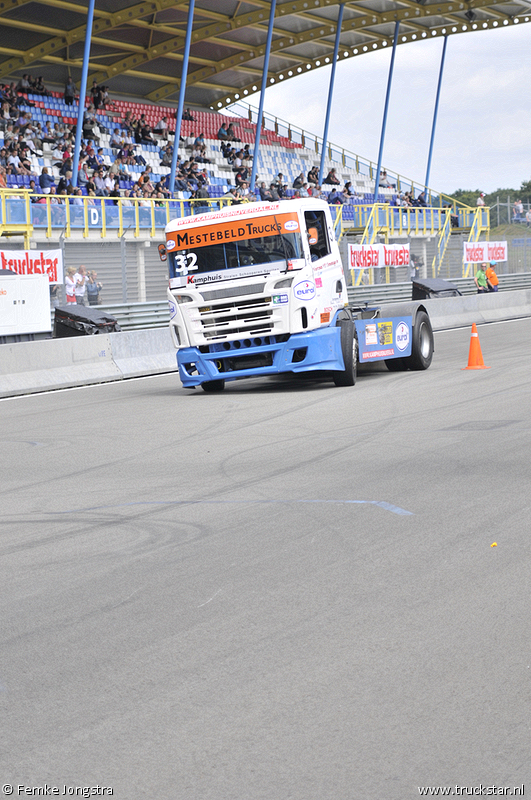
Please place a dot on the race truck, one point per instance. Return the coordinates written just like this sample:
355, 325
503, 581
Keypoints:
259, 289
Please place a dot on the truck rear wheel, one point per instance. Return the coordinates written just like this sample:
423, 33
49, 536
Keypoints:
349, 351
213, 386
421, 343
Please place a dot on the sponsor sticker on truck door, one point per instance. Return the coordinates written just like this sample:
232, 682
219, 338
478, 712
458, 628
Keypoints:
305, 290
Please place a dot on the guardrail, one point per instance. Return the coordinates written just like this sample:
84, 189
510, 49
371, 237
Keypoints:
155, 314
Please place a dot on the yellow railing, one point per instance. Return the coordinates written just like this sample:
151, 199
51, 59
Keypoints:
25, 213
481, 224
390, 221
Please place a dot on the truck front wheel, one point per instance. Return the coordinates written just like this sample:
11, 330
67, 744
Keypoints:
421, 343
213, 386
349, 351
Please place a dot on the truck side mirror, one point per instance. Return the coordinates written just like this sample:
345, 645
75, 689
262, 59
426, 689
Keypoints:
163, 255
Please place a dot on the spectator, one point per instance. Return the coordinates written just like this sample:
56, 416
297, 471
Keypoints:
90, 124
384, 180
480, 279
518, 210
77, 198
480, 201
46, 181
528, 218
274, 193
242, 176
126, 199
336, 198
118, 170
188, 115
40, 88
162, 128
299, 180
231, 134
70, 91
70, 286
421, 199
94, 287
80, 280
65, 182
95, 93
145, 135
99, 181
332, 178
117, 139
313, 176
348, 191
201, 198
492, 278
265, 193
222, 133
24, 86
167, 154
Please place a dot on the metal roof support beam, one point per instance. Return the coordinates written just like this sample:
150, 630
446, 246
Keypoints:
262, 92
182, 92
82, 92
331, 92
435, 112
386, 108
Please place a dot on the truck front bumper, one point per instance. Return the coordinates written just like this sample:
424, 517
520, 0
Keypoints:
268, 355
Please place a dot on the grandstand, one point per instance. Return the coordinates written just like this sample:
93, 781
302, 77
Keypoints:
277, 153
130, 270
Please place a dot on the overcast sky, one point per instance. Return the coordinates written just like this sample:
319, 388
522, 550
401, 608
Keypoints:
483, 137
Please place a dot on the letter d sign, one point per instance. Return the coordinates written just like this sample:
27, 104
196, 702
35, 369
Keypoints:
94, 216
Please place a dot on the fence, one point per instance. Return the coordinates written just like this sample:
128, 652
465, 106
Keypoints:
503, 212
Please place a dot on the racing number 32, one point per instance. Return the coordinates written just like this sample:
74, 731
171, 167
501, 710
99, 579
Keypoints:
186, 263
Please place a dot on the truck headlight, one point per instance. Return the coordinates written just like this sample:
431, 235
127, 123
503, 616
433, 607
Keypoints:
284, 284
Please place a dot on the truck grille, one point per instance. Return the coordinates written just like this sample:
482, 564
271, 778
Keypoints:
233, 291
228, 318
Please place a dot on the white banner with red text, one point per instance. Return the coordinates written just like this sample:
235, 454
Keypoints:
366, 256
34, 262
476, 252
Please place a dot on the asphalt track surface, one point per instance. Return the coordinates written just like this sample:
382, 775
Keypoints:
288, 590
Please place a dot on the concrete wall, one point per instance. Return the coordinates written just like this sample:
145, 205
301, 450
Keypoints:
458, 312
28, 367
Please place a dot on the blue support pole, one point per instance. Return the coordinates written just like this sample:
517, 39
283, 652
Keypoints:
82, 92
182, 91
426, 183
386, 108
331, 92
262, 93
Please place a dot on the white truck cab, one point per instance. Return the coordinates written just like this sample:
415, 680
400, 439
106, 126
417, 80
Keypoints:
259, 288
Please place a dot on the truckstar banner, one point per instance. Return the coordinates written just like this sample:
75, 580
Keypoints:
476, 252
364, 256
34, 262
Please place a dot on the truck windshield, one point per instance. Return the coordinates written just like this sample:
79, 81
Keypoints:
235, 250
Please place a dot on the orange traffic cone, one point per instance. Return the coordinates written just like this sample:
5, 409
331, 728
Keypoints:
475, 356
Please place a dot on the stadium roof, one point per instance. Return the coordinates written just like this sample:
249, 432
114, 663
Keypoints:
137, 48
